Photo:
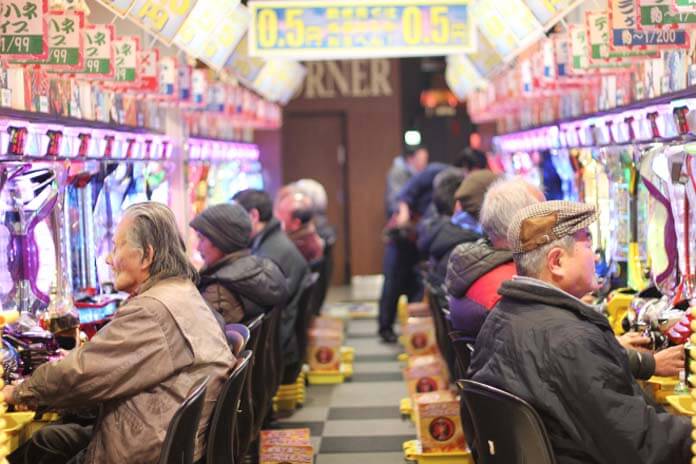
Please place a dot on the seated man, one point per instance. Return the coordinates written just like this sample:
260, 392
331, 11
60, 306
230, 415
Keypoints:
476, 269
142, 365
294, 210
317, 193
545, 345
269, 241
438, 235
233, 282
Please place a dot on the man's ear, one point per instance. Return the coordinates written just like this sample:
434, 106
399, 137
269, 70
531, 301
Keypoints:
254, 215
148, 257
553, 261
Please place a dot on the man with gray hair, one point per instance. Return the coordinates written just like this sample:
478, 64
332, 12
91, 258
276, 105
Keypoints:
141, 366
545, 345
477, 269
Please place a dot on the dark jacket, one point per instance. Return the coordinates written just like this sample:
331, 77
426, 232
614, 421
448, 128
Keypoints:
417, 193
437, 238
274, 244
325, 230
397, 177
561, 356
241, 286
468, 263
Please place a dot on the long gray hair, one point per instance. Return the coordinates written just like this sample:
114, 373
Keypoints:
154, 226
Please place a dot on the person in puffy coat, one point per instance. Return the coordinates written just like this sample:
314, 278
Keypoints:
237, 284
544, 344
476, 269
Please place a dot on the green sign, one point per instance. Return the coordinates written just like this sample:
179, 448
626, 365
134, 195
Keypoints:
98, 51
341, 29
126, 51
654, 13
23, 28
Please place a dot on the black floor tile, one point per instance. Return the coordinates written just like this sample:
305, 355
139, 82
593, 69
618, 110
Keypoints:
368, 413
363, 444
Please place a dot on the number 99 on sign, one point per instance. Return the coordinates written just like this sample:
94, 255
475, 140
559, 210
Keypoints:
59, 56
15, 44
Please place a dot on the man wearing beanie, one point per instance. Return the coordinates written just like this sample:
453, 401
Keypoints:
545, 345
233, 282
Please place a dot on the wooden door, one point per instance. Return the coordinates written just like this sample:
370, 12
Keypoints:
314, 147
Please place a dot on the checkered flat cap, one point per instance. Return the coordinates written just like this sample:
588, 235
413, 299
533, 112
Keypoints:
542, 223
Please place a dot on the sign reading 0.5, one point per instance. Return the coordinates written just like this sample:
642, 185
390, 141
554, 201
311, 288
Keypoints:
339, 29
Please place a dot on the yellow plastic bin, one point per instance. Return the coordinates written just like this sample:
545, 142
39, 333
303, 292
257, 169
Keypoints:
414, 452
15, 422
682, 404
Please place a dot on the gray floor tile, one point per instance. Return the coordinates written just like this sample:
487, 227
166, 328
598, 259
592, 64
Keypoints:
316, 429
363, 444
308, 414
368, 428
375, 358
374, 346
376, 377
369, 394
362, 458
319, 396
316, 444
362, 367
359, 336
373, 412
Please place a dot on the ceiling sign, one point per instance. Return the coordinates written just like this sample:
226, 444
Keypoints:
118, 7
340, 29
625, 32
461, 76
486, 59
163, 18
507, 37
547, 12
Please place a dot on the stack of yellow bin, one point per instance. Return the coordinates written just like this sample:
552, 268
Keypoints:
11, 424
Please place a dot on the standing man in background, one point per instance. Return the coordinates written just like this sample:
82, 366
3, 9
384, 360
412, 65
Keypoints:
401, 253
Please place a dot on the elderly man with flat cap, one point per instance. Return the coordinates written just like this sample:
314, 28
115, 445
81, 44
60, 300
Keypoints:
545, 345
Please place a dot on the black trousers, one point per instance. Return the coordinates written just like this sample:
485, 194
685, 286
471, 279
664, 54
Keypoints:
400, 277
55, 444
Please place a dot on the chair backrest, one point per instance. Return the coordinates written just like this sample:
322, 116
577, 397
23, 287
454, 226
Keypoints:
221, 435
305, 312
508, 430
254, 327
180, 440
462, 352
435, 299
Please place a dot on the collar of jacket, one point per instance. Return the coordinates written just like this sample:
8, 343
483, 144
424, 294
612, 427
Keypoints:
532, 290
272, 227
469, 262
227, 259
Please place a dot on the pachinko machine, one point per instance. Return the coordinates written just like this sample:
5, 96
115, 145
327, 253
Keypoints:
62, 192
638, 168
216, 170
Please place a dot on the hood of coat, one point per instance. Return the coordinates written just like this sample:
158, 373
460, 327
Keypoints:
470, 261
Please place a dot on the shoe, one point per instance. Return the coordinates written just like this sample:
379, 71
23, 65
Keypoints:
388, 336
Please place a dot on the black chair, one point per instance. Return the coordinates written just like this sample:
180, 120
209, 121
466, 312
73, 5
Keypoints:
324, 280
304, 319
315, 299
265, 374
254, 326
436, 299
245, 419
223, 425
180, 441
507, 429
462, 352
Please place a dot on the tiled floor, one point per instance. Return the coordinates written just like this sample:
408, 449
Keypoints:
359, 421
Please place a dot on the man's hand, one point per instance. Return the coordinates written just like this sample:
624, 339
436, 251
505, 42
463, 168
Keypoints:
669, 361
403, 215
634, 341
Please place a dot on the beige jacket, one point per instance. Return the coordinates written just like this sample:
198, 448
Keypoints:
139, 368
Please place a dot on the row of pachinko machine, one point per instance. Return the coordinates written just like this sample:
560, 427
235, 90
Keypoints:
638, 168
63, 190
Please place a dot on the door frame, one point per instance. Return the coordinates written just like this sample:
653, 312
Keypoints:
344, 176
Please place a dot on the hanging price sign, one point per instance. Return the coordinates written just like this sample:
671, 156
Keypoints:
228, 31
23, 29
626, 34
243, 66
167, 77
486, 59
126, 52
684, 5
149, 70
461, 76
118, 7
163, 18
579, 49
341, 29
597, 23
99, 53
198, 26
279, 80
549, 11
661, 14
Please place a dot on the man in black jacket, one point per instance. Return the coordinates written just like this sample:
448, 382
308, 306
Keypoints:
269, 240
542, 343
